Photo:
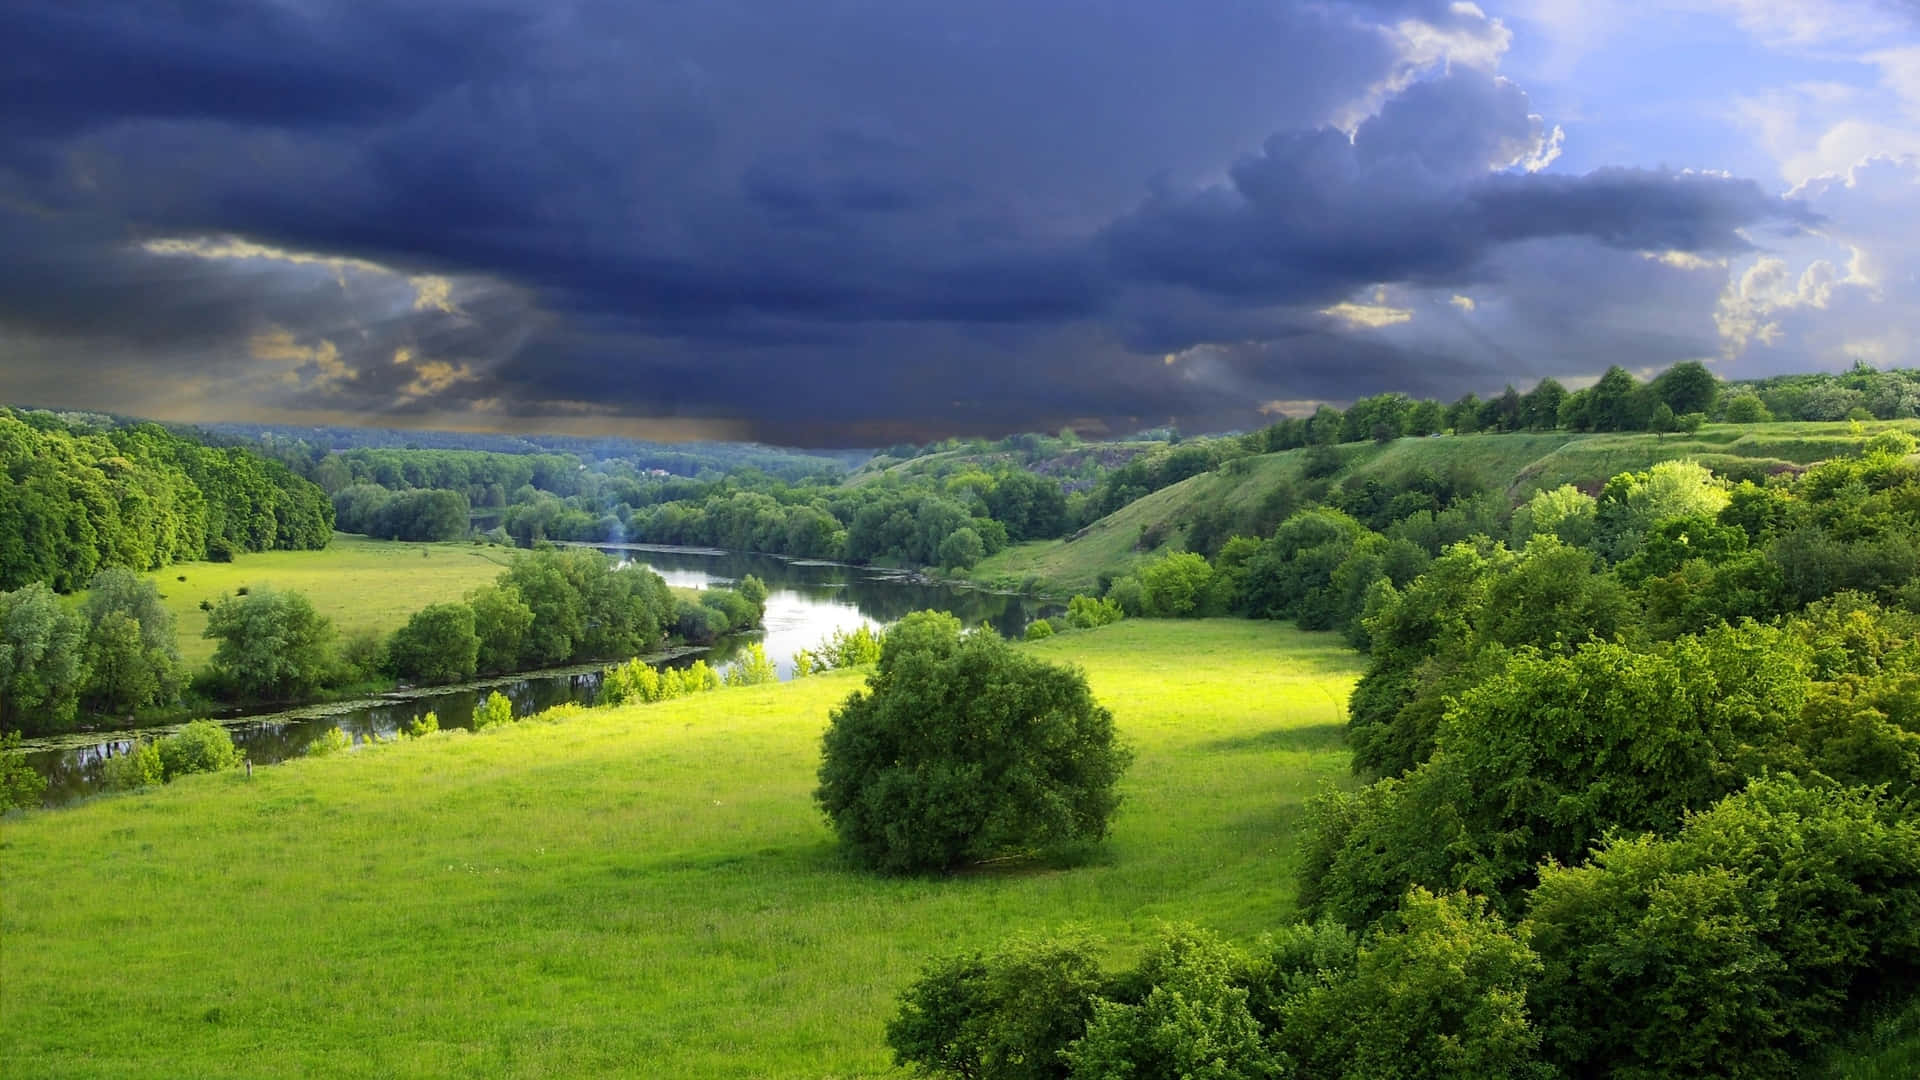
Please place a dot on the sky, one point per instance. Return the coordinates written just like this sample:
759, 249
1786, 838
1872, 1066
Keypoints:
861, 222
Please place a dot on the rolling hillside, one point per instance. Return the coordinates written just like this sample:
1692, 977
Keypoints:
1520, 464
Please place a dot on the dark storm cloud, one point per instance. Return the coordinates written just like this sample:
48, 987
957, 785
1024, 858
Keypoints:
827, 221
1409, 197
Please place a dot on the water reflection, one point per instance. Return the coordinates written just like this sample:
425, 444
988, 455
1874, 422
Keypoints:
806, 602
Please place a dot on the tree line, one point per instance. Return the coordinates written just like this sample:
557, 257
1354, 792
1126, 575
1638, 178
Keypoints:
116, 655
1643, 798
79, 498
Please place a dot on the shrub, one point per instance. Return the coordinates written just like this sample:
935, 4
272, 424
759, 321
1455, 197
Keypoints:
361, 657
1003, 1015
633, 681
1086, 612
496, 709
422, 725
962, 749
852, 648
752, 668
1038, 629
1892, 442
754, 591
1194, 1021
1127, 594
138, 767
1735, 946
806, 663
1440, 994
1175, 586
1747, 409
961, 549
331, 741
202, 746
19, 784
437, 645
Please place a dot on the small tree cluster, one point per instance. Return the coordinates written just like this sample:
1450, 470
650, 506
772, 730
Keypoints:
638, 682
202, 746
1439, 995
1088, 612
751, 667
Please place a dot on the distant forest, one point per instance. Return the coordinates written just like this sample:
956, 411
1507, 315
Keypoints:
81, 496
947, 504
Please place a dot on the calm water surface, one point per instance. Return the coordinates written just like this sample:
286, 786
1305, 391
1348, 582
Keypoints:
806, 602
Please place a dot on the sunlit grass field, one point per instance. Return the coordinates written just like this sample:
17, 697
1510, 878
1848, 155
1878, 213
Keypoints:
646, 891
356, 582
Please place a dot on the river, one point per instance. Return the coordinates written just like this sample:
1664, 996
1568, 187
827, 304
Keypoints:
806, 602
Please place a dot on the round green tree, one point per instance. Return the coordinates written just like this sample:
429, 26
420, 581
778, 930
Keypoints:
962, 749
437, 645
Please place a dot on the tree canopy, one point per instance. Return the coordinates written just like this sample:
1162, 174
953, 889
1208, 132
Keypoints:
962, 748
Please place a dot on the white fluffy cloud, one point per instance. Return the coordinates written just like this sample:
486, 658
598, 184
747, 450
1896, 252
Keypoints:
1849, 291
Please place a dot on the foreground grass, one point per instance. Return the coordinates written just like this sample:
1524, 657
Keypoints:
360, 584
646, 890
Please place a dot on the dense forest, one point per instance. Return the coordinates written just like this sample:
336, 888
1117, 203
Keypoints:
79, 498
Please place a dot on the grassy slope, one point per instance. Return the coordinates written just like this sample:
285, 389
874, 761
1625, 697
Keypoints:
358, 583
646, 890
1525, 463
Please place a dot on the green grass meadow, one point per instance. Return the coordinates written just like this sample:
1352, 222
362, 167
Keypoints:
360, 584
641, 891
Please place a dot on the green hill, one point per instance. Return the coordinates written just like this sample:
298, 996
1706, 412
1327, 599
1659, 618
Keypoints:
1518, 464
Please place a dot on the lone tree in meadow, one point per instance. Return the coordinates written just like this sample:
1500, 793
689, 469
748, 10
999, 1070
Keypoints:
961, 749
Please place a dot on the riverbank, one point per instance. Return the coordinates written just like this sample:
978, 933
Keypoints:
646, 887
807, 602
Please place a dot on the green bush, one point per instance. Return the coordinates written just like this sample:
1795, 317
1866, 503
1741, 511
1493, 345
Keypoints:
360, 657
496, 709
422, 725
1087, 612
1127, 594
637, 682
138, 767
1176, 585
331, 741
1039, 629
437, 645
1734, 947
962, 749
202, 746
1439, 994
752, 668
19, 784
849, 648
1001, 1015
1194, 1019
